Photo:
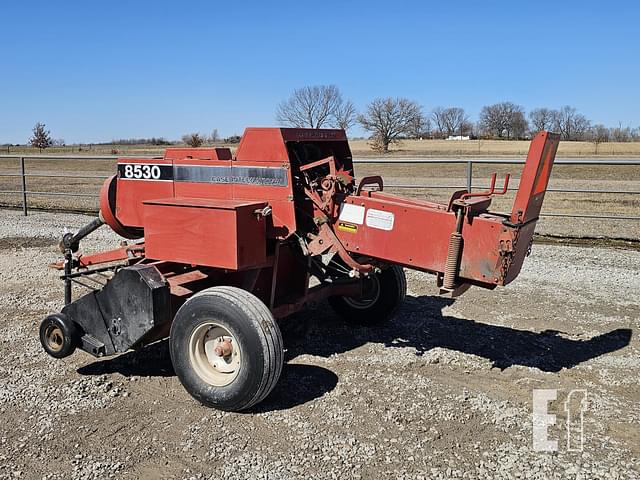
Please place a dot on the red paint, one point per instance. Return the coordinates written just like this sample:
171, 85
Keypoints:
535, 177
208, 232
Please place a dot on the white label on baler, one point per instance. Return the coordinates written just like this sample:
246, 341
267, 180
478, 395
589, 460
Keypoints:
380, 219
351, 213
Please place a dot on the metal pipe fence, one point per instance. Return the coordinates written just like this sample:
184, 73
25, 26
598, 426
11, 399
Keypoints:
468, 163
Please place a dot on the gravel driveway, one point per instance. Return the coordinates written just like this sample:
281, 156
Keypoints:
444, 391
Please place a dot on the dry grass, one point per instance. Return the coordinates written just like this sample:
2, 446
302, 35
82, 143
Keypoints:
98, 150
494, 148
362, 148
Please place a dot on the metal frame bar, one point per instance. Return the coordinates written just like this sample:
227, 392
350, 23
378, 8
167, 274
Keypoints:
496, 161
469, 163
514, 189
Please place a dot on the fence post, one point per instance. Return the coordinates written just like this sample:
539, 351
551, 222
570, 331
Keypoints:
24, 187
469, 174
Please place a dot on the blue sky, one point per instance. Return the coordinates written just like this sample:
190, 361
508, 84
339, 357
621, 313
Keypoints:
95, 71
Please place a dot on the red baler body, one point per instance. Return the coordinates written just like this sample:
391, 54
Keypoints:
202, 207
231, 244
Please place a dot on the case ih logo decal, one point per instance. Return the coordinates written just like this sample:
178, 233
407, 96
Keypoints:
244, 175
319, 135
267, 176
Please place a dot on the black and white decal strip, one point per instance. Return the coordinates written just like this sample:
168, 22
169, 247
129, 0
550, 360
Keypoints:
267, 176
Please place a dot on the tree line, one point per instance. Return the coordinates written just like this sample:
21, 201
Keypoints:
41, 139
391, 119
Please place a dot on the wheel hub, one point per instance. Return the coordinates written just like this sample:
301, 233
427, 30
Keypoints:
55, 338
215, 354
370, 294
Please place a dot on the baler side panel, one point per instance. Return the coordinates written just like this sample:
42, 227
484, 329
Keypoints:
131, 192
279, 196
418, 237
266, 147
262, 145
208, 232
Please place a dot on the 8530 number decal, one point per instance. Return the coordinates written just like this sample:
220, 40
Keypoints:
144, 171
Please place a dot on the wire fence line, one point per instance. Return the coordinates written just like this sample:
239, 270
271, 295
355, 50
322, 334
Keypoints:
25, 193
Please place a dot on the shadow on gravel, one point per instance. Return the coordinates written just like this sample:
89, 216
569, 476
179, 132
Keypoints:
150, 361
421, 325
298, 383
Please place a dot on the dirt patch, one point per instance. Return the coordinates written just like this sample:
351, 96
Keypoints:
622, 243
9, 243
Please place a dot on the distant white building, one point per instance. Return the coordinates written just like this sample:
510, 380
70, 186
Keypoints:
458, 137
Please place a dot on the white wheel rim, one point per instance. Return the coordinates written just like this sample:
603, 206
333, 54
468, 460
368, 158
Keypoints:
205, 345
370, 296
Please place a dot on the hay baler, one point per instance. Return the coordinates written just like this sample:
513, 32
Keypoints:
221, 247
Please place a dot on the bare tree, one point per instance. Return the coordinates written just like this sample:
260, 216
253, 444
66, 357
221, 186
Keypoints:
620, 133
598, 134
502, 120
418, 127
542, 119
427, 128
389, 119
214, 138
193, 139
316, 107
437, 115
344, 116
571, 124
451, 121
516, 125
491, 121
41, 137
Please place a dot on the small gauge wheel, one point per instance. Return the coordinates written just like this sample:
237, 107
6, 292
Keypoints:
58, 335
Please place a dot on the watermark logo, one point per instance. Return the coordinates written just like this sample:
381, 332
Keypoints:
574, 407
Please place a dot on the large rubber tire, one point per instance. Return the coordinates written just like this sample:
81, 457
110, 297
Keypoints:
255, 337
387, 291
59, 336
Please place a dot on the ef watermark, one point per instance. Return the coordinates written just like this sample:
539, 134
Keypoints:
574, 407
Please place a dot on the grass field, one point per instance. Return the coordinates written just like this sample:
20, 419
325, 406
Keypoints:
361, 148
477, 148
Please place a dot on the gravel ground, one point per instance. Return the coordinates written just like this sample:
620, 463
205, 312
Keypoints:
444, 391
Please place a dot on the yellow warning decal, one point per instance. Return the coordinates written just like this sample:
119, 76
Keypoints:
347, 227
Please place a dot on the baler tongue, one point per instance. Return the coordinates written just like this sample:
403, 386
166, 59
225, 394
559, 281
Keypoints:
463, 243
